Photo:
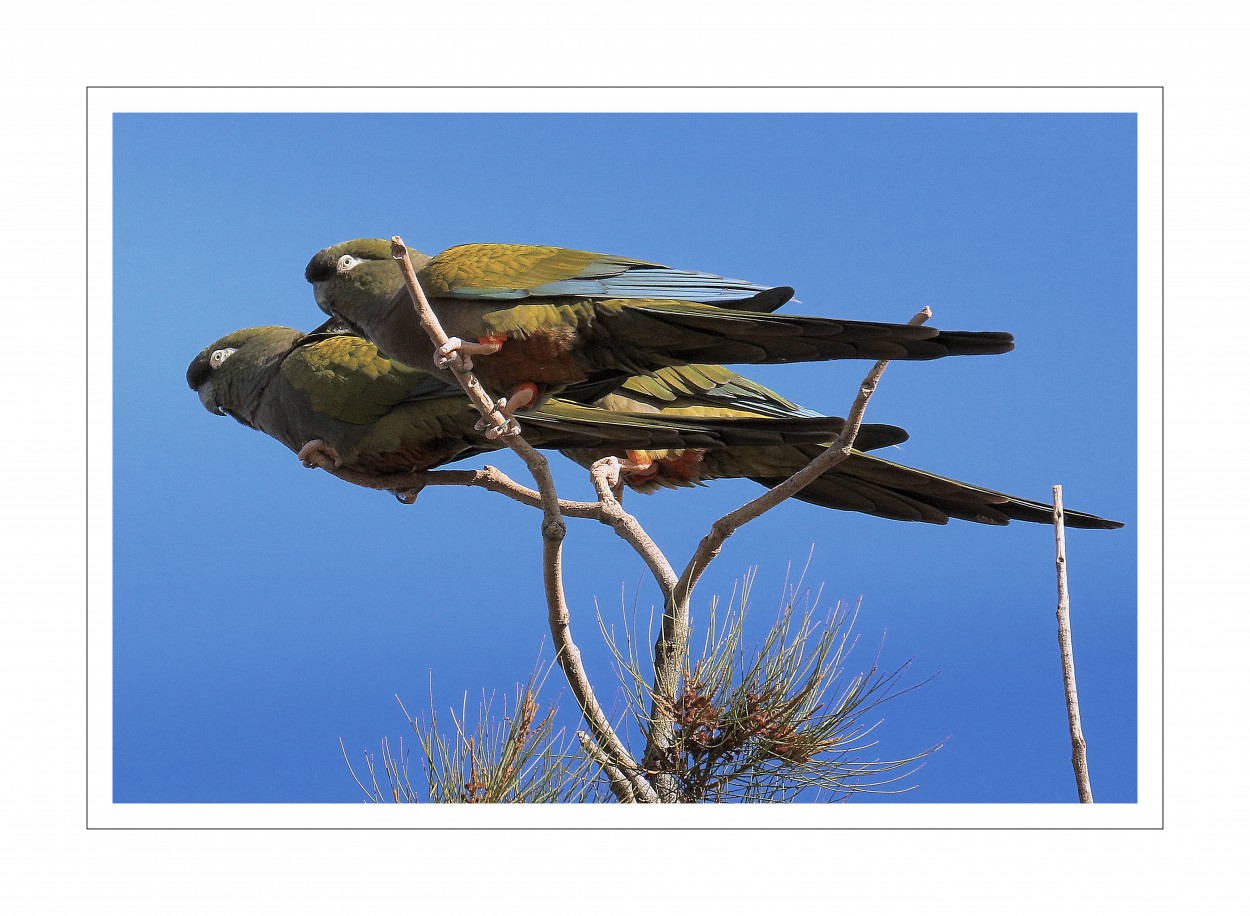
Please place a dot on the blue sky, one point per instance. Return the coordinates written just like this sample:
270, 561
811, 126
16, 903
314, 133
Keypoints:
263, 611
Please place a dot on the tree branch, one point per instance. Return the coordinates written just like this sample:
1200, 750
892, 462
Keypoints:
613, 514
407, 486
553, 531
670, 646
723, 527
1080, 766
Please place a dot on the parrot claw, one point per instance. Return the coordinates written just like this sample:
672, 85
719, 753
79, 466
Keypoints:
484, 424
318, 448
408, 496
611, 470
449, 355
509, 427
520, 398
615, 469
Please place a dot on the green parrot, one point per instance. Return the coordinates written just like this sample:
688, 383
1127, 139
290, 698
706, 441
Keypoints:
335, 395
859, 483
552, 318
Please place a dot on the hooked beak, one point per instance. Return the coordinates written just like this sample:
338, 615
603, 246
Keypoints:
205, 391
321, 292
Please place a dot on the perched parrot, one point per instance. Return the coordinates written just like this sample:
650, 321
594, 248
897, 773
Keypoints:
546, 319
859, 483
334, 394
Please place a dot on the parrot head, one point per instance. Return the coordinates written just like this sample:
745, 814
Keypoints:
358, 273
230, 374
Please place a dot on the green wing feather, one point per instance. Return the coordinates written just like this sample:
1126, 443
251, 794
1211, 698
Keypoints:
347, 379
711, 385
500, 271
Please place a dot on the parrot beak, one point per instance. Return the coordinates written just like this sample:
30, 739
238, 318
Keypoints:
321, 292
205, 391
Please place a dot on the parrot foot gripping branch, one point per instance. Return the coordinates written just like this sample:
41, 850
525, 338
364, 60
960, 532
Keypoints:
466, 350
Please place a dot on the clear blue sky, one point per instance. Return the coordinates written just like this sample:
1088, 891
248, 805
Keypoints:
262, 611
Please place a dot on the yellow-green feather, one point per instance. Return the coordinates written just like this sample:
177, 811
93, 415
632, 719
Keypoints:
488, 266
347, 379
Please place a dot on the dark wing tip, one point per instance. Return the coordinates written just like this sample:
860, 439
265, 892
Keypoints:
770, 300
1005, 342
1081, 520
879, 435
976, 343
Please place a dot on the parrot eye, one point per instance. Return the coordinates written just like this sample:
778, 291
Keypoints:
347, 262
219, 356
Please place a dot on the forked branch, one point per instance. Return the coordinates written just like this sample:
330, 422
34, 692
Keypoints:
671, 644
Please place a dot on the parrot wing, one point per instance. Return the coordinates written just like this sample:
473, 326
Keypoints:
508, 272
345, 378
706, 384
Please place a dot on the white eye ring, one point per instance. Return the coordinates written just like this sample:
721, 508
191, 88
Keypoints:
220, 356
347, 262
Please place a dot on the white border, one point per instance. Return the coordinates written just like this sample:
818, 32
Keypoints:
1146, 103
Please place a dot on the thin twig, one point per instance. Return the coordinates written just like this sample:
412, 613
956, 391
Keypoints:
488, 478
553, 531
347, 760
1080, 766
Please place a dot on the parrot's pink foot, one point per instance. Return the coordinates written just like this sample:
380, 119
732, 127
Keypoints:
639, 466
523, 396
615, 470
465, 350
318, 447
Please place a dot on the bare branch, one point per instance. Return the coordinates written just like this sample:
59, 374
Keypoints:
612, 513
553, 531
670, 646
406, 486
723, 527
1080, 766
